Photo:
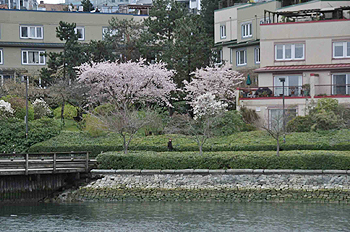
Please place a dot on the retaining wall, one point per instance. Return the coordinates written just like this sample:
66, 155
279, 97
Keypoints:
216, 185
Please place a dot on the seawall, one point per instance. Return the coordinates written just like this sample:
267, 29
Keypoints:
215, 185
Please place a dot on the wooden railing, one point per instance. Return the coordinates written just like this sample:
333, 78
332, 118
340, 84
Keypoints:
45, 163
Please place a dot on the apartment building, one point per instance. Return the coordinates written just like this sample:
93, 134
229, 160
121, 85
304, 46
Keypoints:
26, 35
237, 34
307, 52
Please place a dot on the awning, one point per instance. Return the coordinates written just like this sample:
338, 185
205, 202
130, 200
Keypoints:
316, 67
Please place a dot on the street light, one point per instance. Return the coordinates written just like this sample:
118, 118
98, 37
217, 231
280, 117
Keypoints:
26, 118
282, 79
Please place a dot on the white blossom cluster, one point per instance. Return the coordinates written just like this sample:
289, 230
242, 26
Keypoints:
6, 107
42, 106
206, 105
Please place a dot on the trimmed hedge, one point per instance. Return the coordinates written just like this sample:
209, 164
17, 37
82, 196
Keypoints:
229, 160
243, 141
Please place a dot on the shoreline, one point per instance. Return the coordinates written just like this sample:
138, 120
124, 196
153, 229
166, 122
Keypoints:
243, 185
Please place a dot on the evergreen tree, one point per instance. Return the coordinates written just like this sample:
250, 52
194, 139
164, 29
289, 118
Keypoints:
122, 37
87, 5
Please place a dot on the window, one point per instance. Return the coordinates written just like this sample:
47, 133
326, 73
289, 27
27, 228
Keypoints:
221, 56
341, 50
246, 30
108, 32
241, 57
1, 57
257, 55
231, 55
32, 57
340, 83
223, 31
80, 31
276, 118
31, 32
289, 51
292, 86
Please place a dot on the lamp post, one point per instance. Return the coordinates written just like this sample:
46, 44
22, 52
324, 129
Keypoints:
26, 118
283, 80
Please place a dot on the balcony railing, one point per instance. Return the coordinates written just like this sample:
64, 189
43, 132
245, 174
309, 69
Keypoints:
324, 90
332, 90
274, 91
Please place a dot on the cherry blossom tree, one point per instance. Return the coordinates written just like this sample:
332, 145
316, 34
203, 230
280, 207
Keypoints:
127, 86
206, 112
219, 81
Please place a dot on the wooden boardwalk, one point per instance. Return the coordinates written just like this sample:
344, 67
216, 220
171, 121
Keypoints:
45, 163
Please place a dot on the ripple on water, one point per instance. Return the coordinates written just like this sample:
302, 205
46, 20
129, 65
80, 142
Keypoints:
174, 216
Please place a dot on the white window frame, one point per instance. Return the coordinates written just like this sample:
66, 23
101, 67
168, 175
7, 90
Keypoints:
1, 57
257, 55
292, 52
41, 54
231, 55
222, 31
83, 33
345, 49
28, 32
238, 56
247, 30
347, 82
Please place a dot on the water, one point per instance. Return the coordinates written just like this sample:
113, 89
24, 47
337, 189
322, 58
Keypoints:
175, 216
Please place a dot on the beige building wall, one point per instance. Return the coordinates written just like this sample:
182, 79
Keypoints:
11, 44
253, 14
318, 37
251, 64
10, 22
227, 17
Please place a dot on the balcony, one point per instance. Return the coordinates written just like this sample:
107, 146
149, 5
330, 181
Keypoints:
274, 92
290, 92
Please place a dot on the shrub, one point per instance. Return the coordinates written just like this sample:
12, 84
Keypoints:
13, 138
249, 116
300, 124
19, 106
228, 160
69, 112
231, 122
326, 120
94, 126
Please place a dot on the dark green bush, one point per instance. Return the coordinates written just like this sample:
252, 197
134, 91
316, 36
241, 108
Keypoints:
228, 160
230, 123
69, 112
13, 138
300, 124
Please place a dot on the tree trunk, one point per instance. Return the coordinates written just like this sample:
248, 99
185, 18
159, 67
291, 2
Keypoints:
125, 145
201, 149
278, 146
62, 112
